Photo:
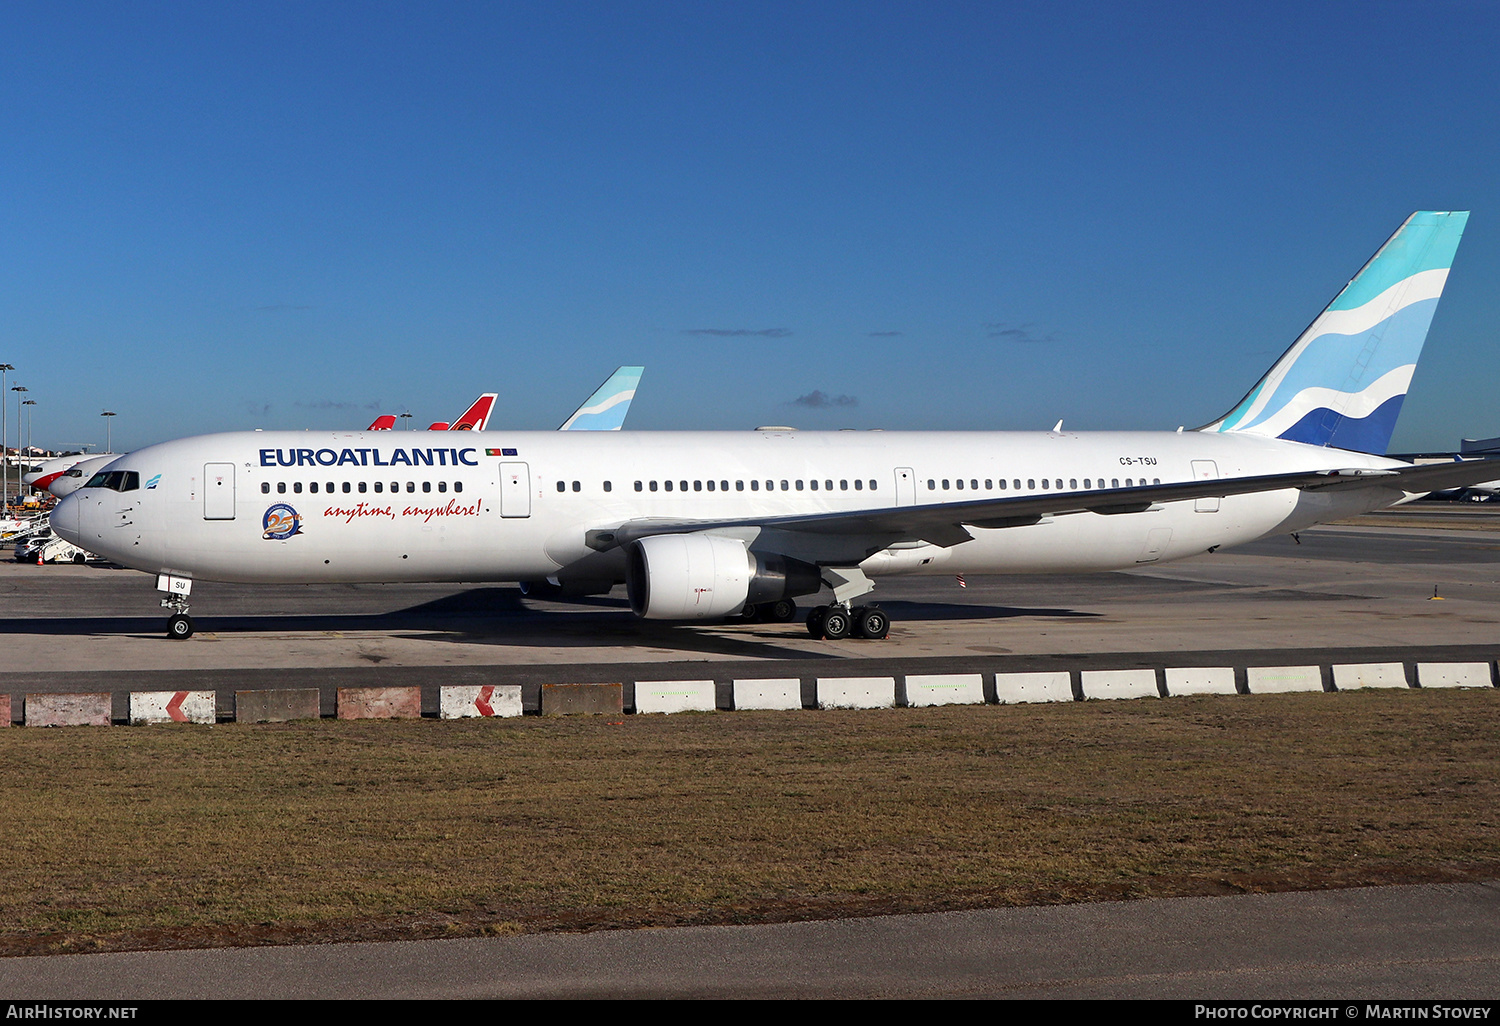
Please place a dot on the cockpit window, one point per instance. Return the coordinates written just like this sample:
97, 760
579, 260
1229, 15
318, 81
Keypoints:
116, 480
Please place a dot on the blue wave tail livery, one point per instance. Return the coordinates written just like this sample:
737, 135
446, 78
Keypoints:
605, 410
1342, 382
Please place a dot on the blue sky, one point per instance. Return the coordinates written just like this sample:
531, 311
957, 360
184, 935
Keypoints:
934, 215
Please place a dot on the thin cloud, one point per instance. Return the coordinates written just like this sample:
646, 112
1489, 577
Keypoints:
1018, 333
329, 404
884, 334
739, 332
820, 400
257, 409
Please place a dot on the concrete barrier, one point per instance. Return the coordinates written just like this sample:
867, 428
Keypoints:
403, 703
458, 701
172, 707
1349, 676
1200, 680
276, 706
1119, 684
1049, 686
5, 711
1454, 675
945, 689
856, 692
674, 696
1266, 680
86, 710
583, 699
770, 693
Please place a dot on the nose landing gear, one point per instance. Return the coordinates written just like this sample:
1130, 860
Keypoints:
179, 624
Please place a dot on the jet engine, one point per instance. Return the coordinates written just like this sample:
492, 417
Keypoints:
704, 576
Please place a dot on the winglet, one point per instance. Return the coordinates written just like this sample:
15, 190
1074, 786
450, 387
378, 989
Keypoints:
605, 410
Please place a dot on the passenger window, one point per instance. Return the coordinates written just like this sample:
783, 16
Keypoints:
755, 486
1129, 482
697, 486
1086, 484
1031, 483
960, 484
667, 485
1073, 483
771, 486
577, 487
442, 486
739, 486
988, 484
1002, 484
858, 484
653, 486
638, 486
562, 486
945, 484
280, 487
684, 486
931, 485
973, 483
608, 487
843, 486
814, 484
872, 484
1156, 480
297, 487
828, 486
347, 489
1059, 484
362, 487
799, 484
785, 486
710, 486
265, 488
411, 486
1045, 483
313, 488
724, 486
1114, 482
426, 486
458, 486
1016, 484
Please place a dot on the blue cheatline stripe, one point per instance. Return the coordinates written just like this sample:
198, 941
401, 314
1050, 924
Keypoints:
1426, 242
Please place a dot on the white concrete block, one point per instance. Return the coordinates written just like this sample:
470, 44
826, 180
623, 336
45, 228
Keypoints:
856, 692
1454, 675
1266, 680
674, 696
1119, 684
945, 689
1048, 686
771, 693
1348, 676
1200, 680
172, 707
459, 701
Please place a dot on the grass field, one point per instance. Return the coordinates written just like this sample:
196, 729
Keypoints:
240, 834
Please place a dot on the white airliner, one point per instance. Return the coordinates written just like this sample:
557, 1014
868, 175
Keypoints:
704, 525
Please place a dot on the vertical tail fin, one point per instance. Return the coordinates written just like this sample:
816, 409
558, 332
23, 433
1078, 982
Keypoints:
605, 410
1341, 384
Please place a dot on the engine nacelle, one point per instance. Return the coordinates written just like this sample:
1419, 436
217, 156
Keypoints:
704, 576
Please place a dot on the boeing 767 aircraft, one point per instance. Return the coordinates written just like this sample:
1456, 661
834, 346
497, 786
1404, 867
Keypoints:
703, 525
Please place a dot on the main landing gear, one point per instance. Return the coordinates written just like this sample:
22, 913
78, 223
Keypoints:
780, 611
842, 620
837, 622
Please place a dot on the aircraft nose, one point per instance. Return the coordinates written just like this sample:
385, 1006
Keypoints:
65, 519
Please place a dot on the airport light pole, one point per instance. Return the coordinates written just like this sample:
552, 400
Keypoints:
4, 443
407, 417
20, 391
109, 438
30, 440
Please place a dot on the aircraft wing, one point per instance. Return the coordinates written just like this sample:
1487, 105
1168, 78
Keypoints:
605, 410
946, 523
